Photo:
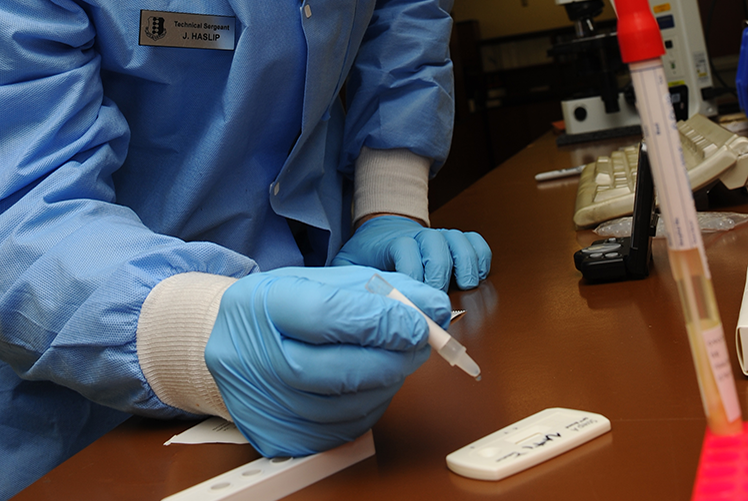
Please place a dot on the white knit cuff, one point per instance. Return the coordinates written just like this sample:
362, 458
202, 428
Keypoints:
391, 181
174, 326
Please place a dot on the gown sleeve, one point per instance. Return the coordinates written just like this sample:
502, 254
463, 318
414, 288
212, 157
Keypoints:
400, 90
77, 266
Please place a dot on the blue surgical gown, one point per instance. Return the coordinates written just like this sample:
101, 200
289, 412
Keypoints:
122, 164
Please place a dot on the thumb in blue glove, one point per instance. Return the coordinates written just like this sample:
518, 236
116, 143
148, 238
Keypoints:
396, 243
306, 359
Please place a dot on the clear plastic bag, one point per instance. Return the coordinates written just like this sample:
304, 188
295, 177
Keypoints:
709, 222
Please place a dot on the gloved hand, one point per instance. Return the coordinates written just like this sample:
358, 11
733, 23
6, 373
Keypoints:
397, 243
307, 359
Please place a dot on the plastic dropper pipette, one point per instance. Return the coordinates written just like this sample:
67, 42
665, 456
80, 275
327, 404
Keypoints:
642, 47
439, 339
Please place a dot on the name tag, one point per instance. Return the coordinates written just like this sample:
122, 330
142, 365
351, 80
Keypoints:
192, 31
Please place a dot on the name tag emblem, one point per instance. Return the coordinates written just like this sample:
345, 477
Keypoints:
192, 31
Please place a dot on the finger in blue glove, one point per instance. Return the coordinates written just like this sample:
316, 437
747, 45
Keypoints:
396, 243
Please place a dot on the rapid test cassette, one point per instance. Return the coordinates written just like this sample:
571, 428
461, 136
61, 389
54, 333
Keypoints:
269, 479
526, 443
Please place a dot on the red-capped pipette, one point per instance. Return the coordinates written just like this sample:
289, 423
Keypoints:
641, 48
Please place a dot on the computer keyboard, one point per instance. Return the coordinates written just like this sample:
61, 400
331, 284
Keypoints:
711, 152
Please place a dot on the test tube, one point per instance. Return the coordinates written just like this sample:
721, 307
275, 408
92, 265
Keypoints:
641, 47
439, 339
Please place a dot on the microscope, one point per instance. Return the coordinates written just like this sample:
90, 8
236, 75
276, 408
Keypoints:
604, 106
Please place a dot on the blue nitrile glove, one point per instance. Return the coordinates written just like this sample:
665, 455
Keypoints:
307, 359
428, 255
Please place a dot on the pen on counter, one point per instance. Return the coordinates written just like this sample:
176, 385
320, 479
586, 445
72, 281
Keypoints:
556, 174
641, 47
439, 339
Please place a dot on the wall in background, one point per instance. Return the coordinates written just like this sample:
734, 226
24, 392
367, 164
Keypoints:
501, 18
